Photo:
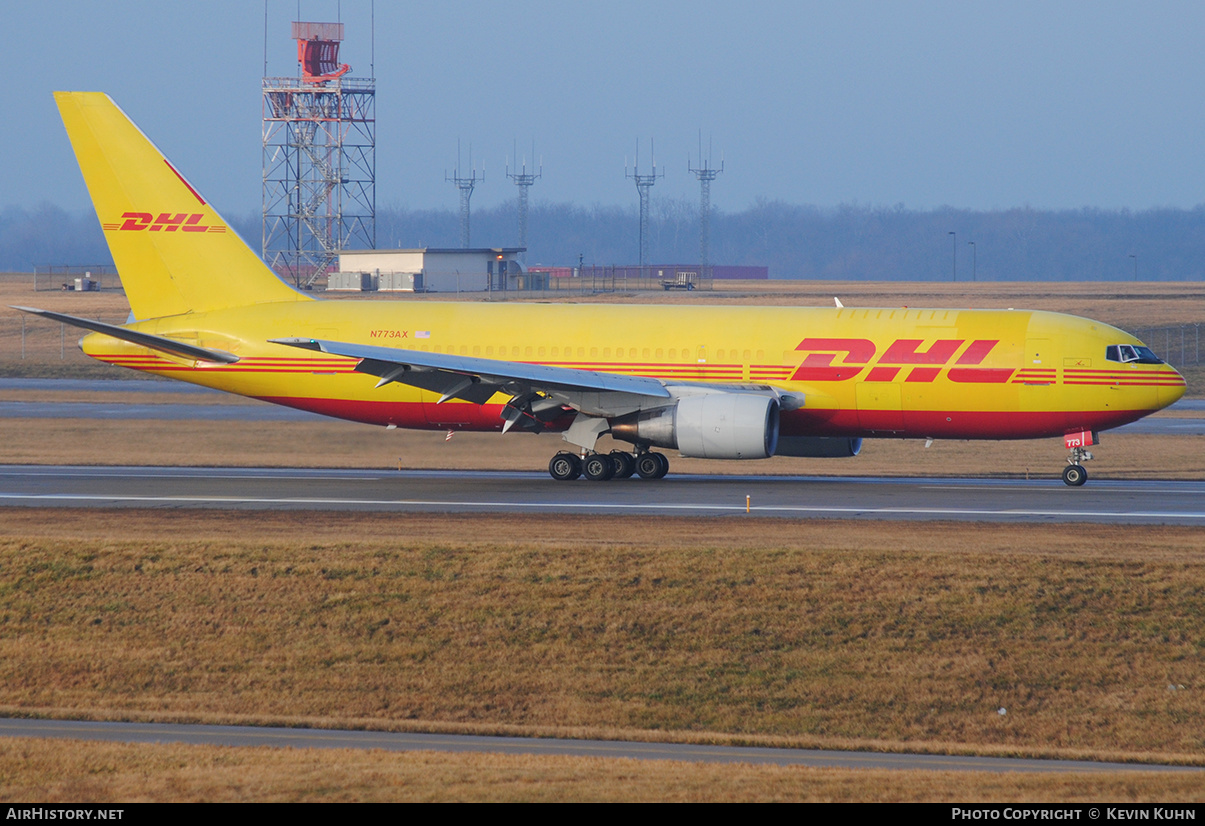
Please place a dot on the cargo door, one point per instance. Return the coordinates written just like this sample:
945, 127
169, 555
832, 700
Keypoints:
1038, 374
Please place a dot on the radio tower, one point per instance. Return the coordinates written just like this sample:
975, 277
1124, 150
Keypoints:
465, 185
524, 179
643, 184
706, 173
319, 171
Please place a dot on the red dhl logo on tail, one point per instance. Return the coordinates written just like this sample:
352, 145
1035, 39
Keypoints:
857, 354
165, 222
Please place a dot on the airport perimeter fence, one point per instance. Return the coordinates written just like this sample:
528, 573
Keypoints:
554, 288
606, 283
593, 280
63, 276
1178, 345
24, 337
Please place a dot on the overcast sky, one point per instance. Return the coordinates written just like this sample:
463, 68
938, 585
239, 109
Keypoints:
966, 104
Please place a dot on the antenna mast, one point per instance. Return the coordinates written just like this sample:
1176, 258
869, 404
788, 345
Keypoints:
643, 184
524, 179
465, 185
706, 173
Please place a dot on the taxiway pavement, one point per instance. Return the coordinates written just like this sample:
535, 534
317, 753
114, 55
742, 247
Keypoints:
406, 741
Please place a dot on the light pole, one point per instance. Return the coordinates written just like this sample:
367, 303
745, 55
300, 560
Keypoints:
974, 259
1135, 257
955, 235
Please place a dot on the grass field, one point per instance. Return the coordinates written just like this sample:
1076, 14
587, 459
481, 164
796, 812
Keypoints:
69, 772
805, 633
820, 633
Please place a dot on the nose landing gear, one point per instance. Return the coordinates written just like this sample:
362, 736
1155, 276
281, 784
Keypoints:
1074, 474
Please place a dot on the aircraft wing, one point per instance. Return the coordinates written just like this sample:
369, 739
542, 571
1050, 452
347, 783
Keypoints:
539, 393
534, 388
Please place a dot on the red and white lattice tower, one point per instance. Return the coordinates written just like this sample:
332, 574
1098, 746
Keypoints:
319, 134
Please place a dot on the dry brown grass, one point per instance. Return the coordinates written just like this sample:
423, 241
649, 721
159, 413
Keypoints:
818, 633
1125, 305
118, 397
50, 348
70, 772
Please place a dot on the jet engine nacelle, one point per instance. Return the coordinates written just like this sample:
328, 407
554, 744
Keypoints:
708, 426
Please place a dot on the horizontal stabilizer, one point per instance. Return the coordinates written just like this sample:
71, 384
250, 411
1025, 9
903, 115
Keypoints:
161, 343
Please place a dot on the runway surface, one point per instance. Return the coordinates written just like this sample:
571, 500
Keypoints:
395, 741
1047, 500
679, 494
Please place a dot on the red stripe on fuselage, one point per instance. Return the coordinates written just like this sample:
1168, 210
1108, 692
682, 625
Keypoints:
919, 424
910, 424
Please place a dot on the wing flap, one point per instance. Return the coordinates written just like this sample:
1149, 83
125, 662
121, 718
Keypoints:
449, 385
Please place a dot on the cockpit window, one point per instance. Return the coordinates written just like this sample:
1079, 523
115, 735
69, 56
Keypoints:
1127, 353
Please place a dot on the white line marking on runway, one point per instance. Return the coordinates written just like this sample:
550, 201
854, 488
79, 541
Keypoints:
1127, 489
183, 475
448, 503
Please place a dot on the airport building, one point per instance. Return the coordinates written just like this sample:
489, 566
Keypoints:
498, 269
431, 270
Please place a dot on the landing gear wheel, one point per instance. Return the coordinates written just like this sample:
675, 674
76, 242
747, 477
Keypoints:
652, 465
625, 464
1075, 475
565, 467
661, 458
598, 467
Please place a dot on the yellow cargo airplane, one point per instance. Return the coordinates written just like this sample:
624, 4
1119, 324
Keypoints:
711, 382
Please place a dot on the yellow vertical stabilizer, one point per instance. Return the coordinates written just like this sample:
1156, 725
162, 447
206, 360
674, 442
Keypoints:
173, 251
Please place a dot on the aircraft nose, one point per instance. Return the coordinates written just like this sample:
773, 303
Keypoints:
1171, 390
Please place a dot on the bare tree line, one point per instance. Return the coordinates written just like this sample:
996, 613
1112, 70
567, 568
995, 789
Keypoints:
847, 242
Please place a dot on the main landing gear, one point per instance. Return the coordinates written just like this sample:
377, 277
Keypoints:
599, 467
